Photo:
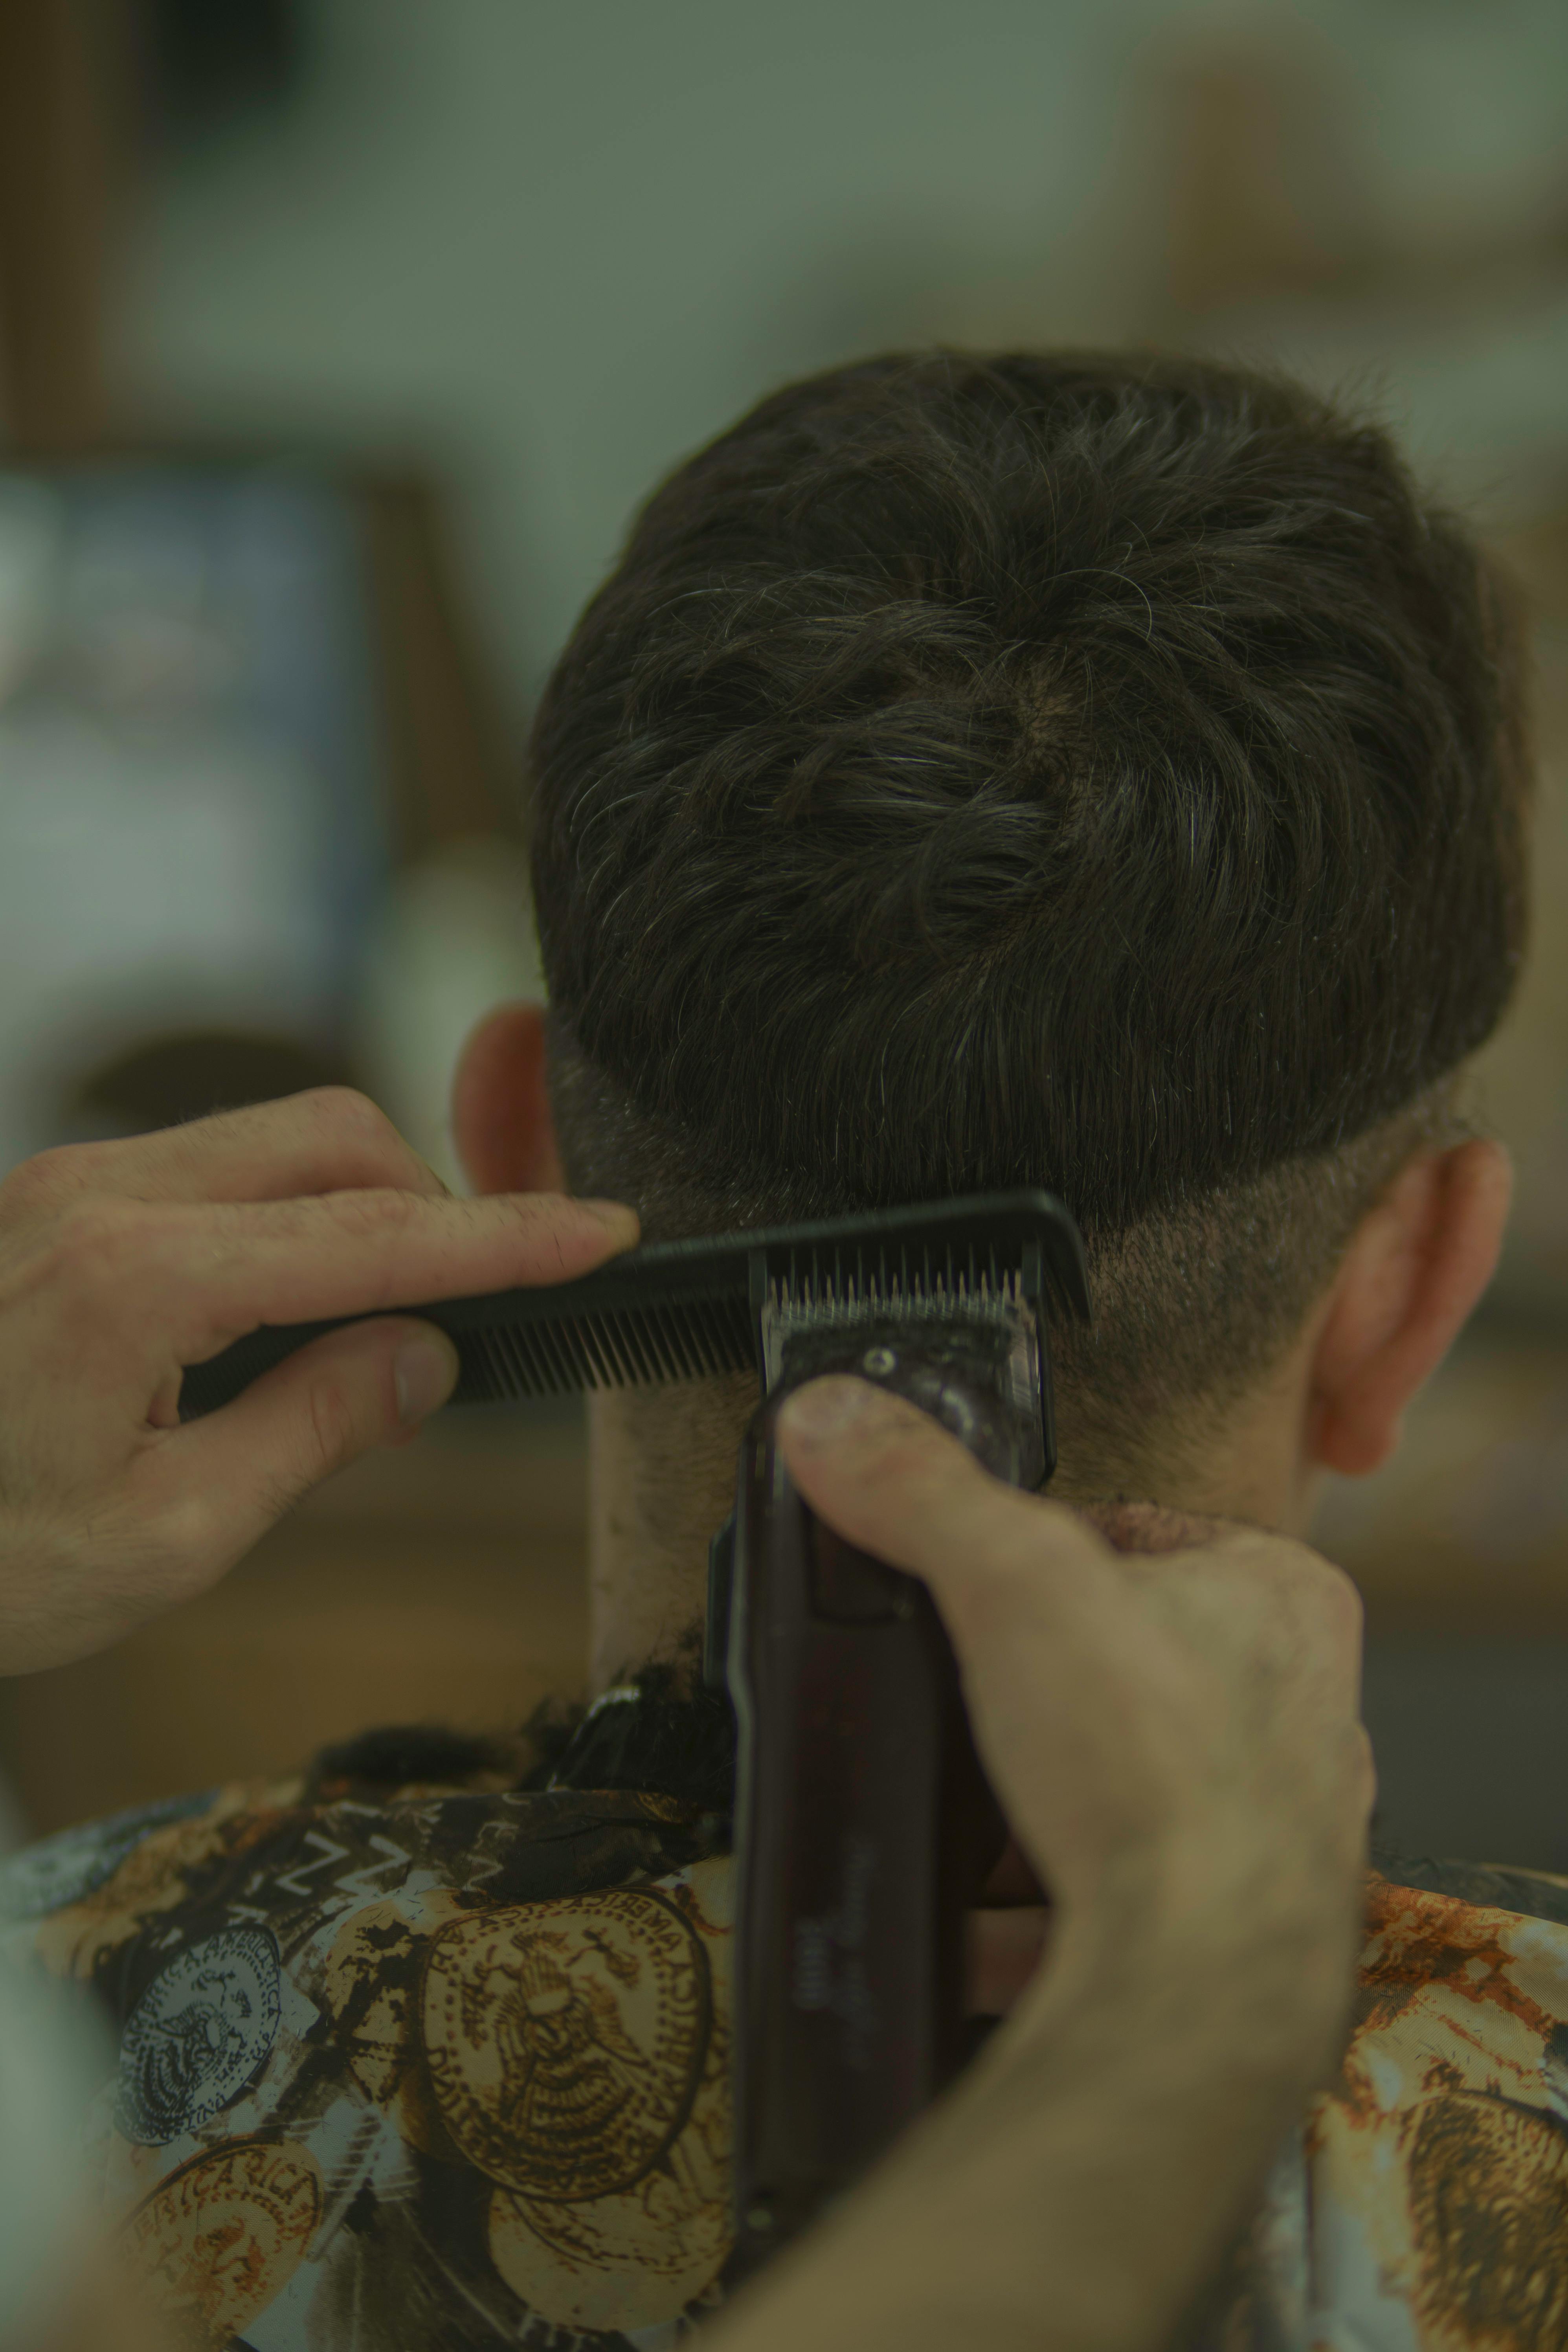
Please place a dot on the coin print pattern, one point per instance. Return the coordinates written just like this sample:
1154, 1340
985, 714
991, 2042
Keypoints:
489, 2002
65, 1868
566, 2040
613, 2262
347, 1886
202, 2028
220, 2239
643, 2257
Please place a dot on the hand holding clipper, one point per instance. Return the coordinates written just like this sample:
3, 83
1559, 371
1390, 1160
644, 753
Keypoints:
864, 1827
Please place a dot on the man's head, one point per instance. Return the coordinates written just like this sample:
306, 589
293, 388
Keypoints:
1097, 772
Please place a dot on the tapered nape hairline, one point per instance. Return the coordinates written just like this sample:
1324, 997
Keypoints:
1193, 1305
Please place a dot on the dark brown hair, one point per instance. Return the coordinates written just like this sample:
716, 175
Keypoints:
1104, 772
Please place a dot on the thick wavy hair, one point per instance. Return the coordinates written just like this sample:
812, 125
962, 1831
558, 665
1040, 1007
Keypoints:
1105, 772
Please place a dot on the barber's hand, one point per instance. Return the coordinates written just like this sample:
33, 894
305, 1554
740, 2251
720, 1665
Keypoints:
1174, 1732
122, 1263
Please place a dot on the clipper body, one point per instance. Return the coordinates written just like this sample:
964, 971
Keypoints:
864, 1827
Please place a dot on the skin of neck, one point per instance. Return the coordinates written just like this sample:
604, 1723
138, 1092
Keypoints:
662, 1466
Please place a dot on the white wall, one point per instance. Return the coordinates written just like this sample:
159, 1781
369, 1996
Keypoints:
558, 245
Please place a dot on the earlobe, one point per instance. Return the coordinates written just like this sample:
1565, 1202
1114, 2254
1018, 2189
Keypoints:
501, 1118
1416, 1268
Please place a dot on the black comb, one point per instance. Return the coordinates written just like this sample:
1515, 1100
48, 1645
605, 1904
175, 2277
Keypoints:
679, 1310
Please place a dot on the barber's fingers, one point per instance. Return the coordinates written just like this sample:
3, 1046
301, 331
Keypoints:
1037, 1608
888, 1477
216, 1486
361, 1253
181, 1282
1175, 1733
328, 1139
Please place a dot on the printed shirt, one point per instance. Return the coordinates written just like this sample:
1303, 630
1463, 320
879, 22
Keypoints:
443, 2068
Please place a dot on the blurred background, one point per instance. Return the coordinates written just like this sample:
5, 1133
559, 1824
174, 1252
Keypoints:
338, 338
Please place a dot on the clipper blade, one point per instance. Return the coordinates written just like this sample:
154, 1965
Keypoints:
969, 1333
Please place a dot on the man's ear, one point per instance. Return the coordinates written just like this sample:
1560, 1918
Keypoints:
501, 1121
1416, 1265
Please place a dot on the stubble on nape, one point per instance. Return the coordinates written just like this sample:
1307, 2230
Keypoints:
662, 1481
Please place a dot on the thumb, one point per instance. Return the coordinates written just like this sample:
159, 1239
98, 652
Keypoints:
370, 1384
893, 1480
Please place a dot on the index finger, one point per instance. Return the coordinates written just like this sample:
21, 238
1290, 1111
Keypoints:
202, 1277
327, 1140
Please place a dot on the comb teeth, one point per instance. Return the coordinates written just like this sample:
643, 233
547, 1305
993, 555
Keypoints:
608, 1347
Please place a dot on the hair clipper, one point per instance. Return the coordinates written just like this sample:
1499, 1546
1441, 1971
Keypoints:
864, 1827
